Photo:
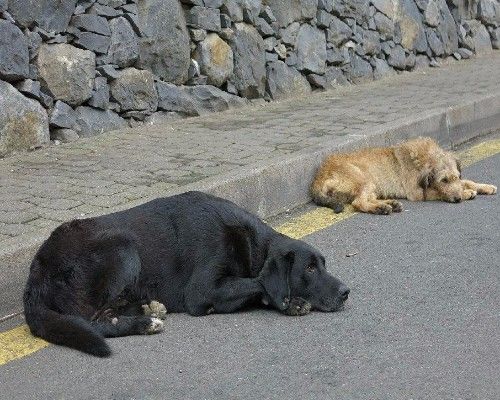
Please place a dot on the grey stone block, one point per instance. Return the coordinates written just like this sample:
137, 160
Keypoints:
24, 123
34, 43
92, 41
215, 58
338, 32
397, 57
63, 116
225, 21
66, 72
108, 71
64, 135
359, 70
233, 9
381, 69
91, 23
29, 88
323, 19
105, 11
249, 61
91, 122
135, 90
284, 81
100, 94
435, 43
47, 14
213, 3
267, 14
156, 18
14, 53
124, 47
264, 28
204, 18
289, 34
311, 50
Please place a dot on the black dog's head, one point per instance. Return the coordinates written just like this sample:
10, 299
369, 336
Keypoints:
295, 269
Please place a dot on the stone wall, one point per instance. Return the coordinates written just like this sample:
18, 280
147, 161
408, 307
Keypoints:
77, 68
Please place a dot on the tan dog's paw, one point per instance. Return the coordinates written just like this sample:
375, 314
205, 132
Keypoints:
469, 194
154, 309
382, 209
395, 205
487, 189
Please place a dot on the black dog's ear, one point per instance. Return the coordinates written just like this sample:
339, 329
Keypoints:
427, 179
274, 277
239, 248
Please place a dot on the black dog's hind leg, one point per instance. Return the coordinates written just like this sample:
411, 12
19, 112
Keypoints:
115, 291
122, 325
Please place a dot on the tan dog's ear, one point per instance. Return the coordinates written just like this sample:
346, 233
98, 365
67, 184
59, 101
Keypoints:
426, 179
459, 167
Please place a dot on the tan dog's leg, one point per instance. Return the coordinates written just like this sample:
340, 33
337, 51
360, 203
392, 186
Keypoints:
367, 201
395, 205
480, 188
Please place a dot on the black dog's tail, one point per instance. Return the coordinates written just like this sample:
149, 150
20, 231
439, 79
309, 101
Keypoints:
67, 330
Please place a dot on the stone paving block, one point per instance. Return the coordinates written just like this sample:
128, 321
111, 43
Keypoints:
17, 217
44, 223
13, 205
15, 229
85, 209
56, 215
105, 201
63, 204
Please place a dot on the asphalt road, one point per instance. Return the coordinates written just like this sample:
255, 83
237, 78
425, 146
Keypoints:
422, 322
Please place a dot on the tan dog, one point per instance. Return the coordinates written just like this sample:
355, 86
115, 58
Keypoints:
370, 179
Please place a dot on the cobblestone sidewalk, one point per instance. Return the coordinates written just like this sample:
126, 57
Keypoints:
38, 190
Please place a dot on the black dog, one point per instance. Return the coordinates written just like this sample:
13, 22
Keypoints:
195, 253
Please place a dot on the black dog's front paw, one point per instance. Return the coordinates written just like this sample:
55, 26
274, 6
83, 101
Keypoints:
297, 306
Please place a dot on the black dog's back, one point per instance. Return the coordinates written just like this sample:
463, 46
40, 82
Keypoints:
140, 251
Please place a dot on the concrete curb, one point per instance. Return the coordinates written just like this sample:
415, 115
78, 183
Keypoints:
271, 187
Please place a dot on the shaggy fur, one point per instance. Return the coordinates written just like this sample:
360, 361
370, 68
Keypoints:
195, 253
371, 179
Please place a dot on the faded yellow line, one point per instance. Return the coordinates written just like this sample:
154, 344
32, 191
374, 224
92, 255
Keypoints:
479, 152
312, 221
19, 342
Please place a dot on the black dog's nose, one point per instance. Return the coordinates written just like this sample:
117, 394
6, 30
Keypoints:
457, 199
344, 293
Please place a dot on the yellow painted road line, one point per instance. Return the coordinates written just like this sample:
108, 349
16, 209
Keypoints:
479, 152
312, 221
19, 342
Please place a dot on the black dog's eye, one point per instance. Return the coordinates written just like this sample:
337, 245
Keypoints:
311, 268
445, 180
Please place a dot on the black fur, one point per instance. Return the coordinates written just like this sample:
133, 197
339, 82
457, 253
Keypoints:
192, 252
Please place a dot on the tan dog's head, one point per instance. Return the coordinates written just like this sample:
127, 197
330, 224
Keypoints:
443, 174
439, 170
